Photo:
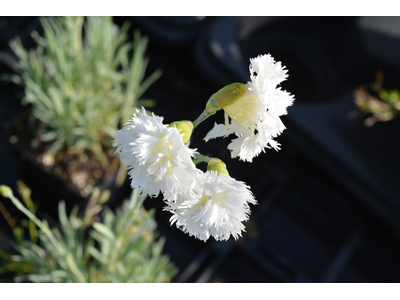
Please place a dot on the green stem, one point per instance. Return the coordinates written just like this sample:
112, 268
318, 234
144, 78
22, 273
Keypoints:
6, 192
204, 115
211, 108
201, 158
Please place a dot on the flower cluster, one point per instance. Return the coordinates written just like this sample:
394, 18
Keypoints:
159, 159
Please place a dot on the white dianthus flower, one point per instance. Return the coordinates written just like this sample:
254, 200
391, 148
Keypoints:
265, 75
216, 207
158, 159
255, 116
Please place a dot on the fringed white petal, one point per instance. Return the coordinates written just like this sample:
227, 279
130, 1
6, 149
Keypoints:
217, 207
156, 157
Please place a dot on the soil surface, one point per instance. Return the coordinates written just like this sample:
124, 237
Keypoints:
81, 170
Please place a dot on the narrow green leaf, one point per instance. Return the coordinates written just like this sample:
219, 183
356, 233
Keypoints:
104, 230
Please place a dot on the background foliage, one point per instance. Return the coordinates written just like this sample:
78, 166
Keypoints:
82, 80
100, 246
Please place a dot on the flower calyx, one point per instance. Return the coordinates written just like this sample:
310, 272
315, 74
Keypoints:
229, 94
185, 128
215, 164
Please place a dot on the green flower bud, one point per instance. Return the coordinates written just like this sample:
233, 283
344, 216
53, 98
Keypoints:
229, 94
215, 164
185, 128
5, 191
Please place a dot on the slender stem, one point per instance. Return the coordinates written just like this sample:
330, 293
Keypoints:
204, 115
6, 191
201, 158
211, 108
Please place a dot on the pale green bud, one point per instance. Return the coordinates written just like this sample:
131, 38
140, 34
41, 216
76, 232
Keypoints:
229, 94
215, 164
5, 191
224, 97
184, 127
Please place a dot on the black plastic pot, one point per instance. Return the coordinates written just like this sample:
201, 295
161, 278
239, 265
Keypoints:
178, 30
